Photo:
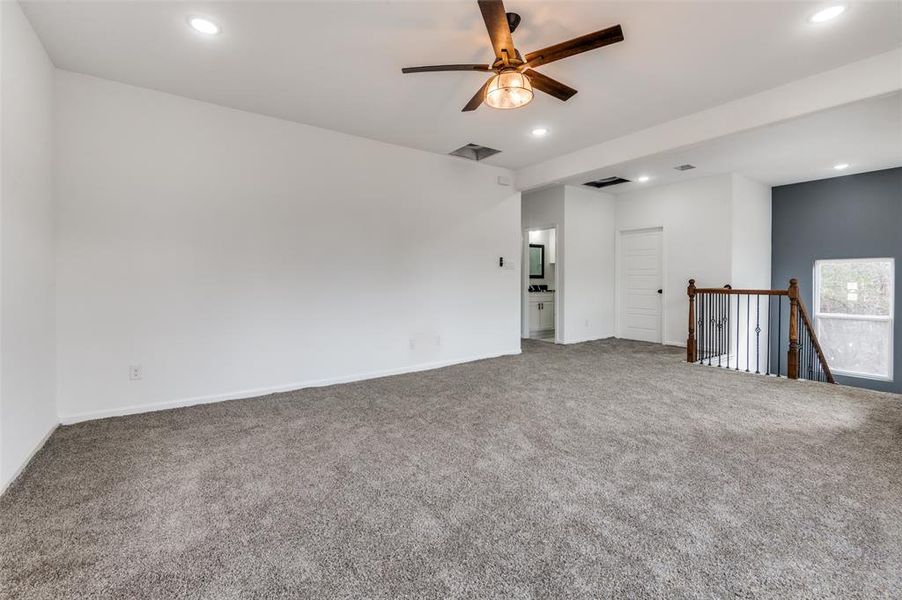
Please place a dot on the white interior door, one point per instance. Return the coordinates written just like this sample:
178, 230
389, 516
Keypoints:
641, 278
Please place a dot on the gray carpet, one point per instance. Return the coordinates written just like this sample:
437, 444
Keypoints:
605, 469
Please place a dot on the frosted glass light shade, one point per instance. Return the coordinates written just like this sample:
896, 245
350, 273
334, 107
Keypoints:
509, 89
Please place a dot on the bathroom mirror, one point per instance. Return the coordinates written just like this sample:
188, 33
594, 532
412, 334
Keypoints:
537, 261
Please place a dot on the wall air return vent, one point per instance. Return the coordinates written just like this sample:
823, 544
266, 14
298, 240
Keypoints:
685, 167
607, 181
474, 152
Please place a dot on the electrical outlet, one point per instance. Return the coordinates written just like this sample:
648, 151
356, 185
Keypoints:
135, 372
587, 323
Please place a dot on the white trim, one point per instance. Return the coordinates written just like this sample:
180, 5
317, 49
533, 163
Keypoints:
819, 316
851, 317
618, 283
858, 375
584, 340
253, 393
28, 458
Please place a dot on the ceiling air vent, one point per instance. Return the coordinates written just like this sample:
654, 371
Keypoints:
474, 152
685, 167
607, 181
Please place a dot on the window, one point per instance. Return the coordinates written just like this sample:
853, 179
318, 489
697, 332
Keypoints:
853, 308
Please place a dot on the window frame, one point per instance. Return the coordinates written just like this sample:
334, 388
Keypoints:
818, 315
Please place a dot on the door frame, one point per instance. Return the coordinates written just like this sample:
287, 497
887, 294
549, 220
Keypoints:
618, 277
524, 282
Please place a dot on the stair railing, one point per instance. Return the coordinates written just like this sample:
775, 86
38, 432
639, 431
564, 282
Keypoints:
743, 329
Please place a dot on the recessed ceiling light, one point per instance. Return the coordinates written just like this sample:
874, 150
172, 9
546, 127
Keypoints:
539, 132
841, 166
827, 14
205, 26
643, 178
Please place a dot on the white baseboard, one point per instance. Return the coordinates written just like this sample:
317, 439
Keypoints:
678, 344
588, 339
288, 387
31, 454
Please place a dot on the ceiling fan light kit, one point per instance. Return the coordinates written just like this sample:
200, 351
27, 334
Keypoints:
509, 89
514, 79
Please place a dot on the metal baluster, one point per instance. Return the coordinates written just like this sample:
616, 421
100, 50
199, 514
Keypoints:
708, 326
738, 320
719, 330
767, 340
748, 322
711, 330
757, 334
779, 330
715, 314
810, 356
701, 328
700, 312
727, 327
800, 325
807, 362
803, 338
724, 327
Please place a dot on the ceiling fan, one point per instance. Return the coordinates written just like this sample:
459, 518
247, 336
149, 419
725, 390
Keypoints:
515, 78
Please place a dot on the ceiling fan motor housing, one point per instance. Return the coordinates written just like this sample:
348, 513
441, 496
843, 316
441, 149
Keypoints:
513, 19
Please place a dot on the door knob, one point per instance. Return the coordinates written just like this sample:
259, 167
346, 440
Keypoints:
660, 291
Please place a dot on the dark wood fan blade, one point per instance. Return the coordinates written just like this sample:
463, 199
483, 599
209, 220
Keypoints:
549, 85
584, 43
496, 23
478, 98
431, 68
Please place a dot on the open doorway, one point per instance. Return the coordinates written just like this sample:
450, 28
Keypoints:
540, 289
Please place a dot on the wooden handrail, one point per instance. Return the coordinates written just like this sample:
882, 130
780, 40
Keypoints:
725, 290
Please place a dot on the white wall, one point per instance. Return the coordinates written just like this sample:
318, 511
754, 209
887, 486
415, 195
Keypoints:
231, 254
751, 214
696, 216
751, 265
585, 258
27, 362
589, 223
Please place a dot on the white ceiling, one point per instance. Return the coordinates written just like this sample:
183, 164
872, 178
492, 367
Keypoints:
867, 135
337, 64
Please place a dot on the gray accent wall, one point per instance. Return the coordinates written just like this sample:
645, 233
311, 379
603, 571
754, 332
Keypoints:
857, 216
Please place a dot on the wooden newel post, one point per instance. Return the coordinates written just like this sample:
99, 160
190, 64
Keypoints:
691, 347
792, 356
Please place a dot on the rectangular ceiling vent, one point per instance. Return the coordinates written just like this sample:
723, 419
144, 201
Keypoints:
607, 181
685, 167
474, 152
